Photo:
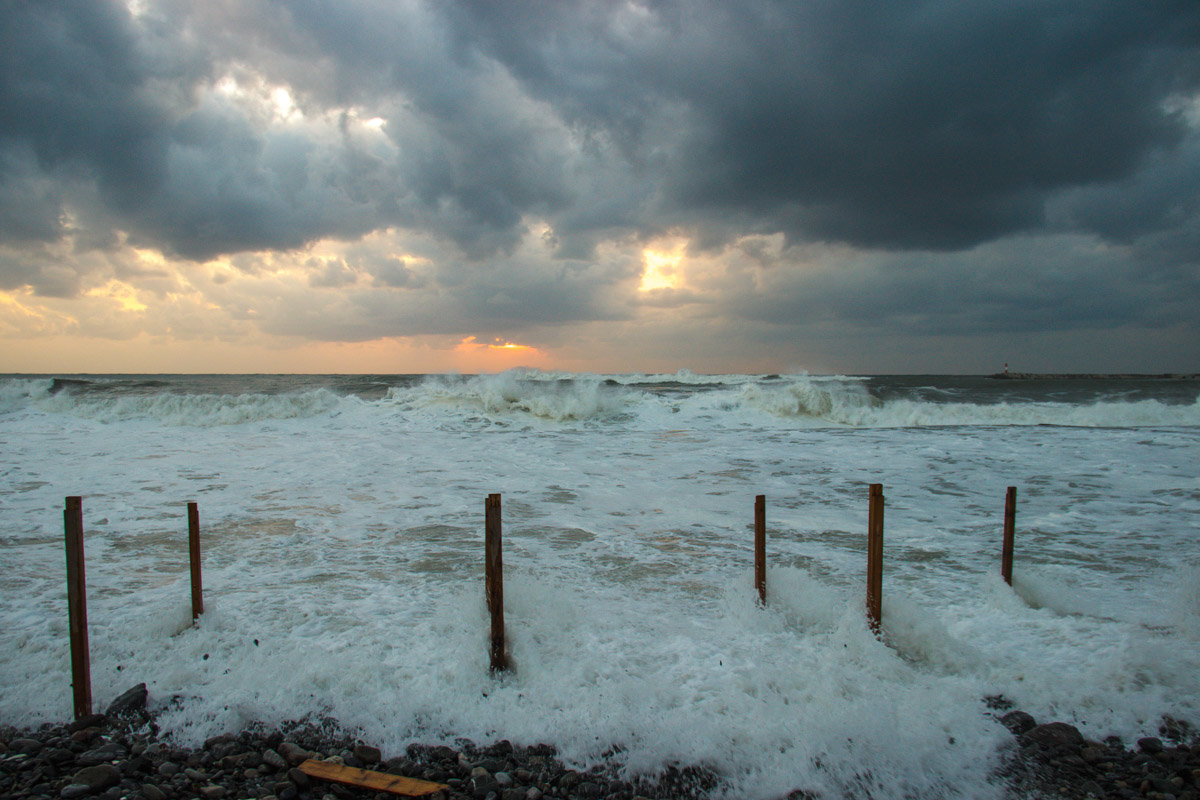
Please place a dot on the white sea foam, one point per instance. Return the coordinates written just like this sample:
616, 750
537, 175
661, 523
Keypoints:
343, 568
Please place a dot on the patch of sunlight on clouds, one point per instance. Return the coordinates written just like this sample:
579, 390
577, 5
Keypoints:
662, 266
19, 318
124, 294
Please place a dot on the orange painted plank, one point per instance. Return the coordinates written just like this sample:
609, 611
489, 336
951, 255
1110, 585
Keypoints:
366, 779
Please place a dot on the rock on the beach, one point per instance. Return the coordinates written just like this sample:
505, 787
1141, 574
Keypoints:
25, 746
129, 702
1018, 722
294, 753
1054, 734
110, 751
367, 754
300, 779
97, 778
1150, 744
274, 760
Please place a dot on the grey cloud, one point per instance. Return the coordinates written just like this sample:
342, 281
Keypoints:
1044, 283
935, 139
927, 125
930, 125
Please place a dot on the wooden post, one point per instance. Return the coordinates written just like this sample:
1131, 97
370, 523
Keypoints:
760, 547
875, 556
494, 580
1010, 524
81, 671
194, 557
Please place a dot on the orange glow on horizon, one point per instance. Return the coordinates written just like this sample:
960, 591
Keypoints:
472, 355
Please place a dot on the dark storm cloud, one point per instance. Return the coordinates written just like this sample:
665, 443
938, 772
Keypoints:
885, 124
935, 125
923, 132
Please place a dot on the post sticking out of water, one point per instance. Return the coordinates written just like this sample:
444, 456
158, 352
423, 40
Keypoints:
494, 581
194, 557
1010, 524
760, 547
875, 556
81, 670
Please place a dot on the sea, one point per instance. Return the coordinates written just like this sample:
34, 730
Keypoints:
342, 536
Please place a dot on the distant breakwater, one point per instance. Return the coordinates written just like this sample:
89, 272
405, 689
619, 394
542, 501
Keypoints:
1095, 376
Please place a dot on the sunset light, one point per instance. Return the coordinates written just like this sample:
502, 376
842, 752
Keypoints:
123, 293
496, 355
662, 268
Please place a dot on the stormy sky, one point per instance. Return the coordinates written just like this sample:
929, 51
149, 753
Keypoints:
390, 186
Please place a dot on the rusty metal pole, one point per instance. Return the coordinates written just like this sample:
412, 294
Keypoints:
81, 670
1010, 524
875, 556
494, 581
194, 558
760, 548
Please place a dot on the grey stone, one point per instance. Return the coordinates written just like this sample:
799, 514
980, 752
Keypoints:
152, 792
588, 789
99, 777
1150, 744
274, 760
1018, 722
503, 778
294, 753
1054, 734
168, 768
111, 751
25, 746
58, 755
75, 790
367, 754
212, 792
299, 778
129, 702
533, 793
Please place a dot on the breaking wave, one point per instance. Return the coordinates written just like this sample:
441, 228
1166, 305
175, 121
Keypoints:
557, 400
193, 410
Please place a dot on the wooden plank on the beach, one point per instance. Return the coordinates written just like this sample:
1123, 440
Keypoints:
367, 779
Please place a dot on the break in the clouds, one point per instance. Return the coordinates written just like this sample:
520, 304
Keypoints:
712, 184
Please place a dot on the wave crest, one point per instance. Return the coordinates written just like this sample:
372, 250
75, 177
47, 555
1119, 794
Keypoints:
195, 410
516, 394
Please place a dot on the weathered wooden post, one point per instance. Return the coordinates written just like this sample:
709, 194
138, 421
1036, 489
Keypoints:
194, 557
760, 547
1010, 524
81, 670
494, 581
875, 556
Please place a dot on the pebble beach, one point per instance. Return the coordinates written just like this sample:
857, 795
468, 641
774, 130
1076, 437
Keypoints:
119, 755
